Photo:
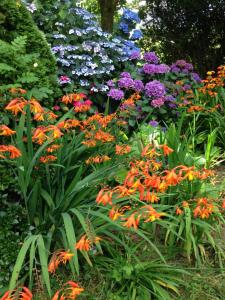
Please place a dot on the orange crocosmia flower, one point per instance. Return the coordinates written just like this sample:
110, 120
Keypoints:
152, 181
171, 177
190, 172
129, 180
14, 152
74, 290
166, 150
123, 191
25, 294
39, 135
56, 132
163, 186
53, 148
223, 204
132, 221
51, 116
179, 211
122, 149
39, 117
114, 213
97, 159
151, 197
59, 257
90, 143
185, 204
35, 106
5, 130
204, 174
149, 152
83, 244
82, 108
195, 108
16, 105
104, 197
48, 158
67, 99
17, 91
150, 214
104, 136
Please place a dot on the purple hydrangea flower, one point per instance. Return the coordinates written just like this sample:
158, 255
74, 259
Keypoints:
196, 77
135, 55
110, 83
162, 68
189, 67
153, 123
157, 102
138, 85
125, 82
151, 57
170, 98
116, 94
172, 105
155, 89
149, 69
175, 69
125, 74
181, 63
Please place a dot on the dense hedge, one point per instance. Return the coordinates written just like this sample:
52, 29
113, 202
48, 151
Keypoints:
16, 21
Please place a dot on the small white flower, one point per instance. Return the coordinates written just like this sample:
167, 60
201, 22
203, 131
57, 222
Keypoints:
35, 65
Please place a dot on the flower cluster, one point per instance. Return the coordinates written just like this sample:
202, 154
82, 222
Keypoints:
128, 23
145, 184
182, 67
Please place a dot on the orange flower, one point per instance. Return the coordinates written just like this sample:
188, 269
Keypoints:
172, 178
185, 204
152, 181
72, 290
14, 152
48, 158
104, 136
179, 211
39, 117
5, 130
17, 91
104, 197
35, 106
146, 152
83, 244
190, 172
97, 159
132, 221
122, 149
151, 214
25, 294
39, 135
151, 197
56, 133
16, 105
53, 148
115, 213
59, 257
50, 115
166, 150
223, 204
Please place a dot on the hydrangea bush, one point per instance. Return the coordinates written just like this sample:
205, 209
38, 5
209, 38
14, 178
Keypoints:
158, 87
86, 55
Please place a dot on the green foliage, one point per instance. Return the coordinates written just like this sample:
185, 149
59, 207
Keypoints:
25, 54
187, 29
13, 229
126, 276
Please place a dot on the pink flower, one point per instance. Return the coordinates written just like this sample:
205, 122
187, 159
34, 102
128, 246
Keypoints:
157, 102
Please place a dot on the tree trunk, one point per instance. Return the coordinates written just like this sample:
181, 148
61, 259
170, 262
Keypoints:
107, 9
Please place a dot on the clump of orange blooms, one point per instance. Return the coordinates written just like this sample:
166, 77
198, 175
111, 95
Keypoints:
21, 294
70, 291
145, 184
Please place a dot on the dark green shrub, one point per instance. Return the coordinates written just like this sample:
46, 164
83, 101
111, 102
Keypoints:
17, 23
